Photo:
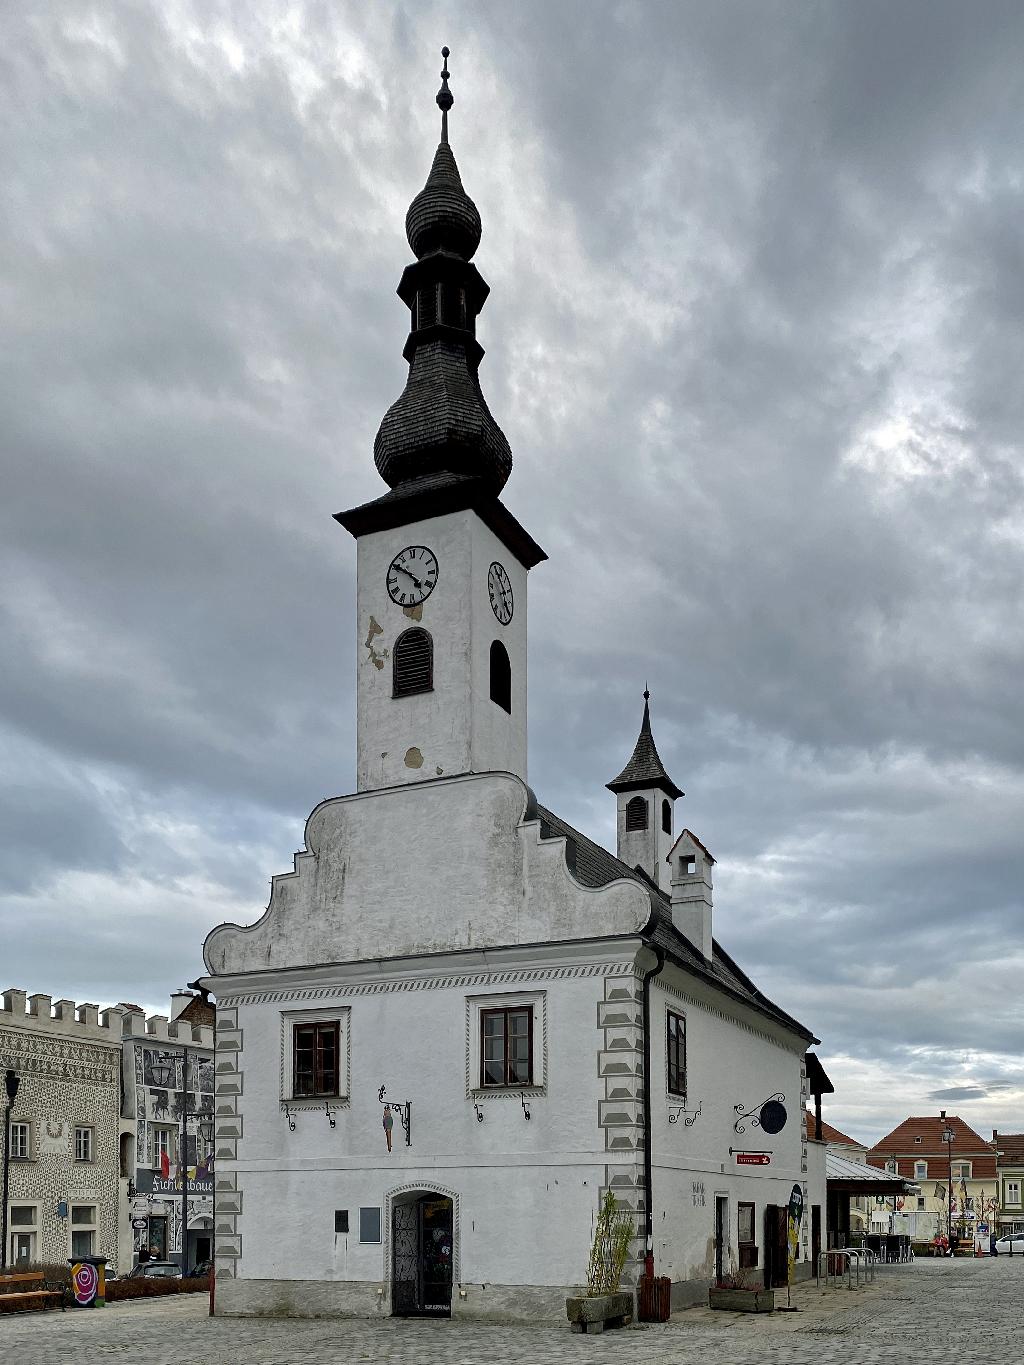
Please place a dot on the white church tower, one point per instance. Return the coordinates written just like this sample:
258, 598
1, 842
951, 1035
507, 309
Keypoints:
645, 817
441, 595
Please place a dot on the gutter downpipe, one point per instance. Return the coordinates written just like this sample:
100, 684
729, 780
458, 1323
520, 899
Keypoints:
648, 1142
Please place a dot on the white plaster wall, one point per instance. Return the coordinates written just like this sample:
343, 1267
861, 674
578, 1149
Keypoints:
360, 889
731, 1059
527, 1189
456, 728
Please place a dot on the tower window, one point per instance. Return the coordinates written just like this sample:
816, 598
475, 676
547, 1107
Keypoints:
636, 813
413, 662
501, 676
666, 816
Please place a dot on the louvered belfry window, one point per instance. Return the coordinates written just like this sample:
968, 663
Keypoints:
636, 813
501, 676
413, 661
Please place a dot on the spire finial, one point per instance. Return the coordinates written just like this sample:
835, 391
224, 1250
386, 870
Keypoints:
647, 693
445, 98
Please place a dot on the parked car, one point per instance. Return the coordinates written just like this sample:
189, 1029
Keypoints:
1010, 1245
158, 1270
200, 1270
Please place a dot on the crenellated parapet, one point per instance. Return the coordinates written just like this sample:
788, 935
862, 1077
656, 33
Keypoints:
40, 1013
157, 1028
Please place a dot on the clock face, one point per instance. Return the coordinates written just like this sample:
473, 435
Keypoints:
412, 575
499, 589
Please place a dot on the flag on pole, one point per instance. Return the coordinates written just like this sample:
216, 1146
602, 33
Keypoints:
165, 1165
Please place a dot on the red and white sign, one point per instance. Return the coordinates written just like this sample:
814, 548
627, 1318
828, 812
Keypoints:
753, 1159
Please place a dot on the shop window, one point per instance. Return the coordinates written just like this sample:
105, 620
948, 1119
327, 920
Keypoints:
83, 1230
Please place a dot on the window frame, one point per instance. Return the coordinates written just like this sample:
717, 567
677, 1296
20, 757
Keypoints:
672, 1064
87, 1132
371, 1241
920, 1170
633, 806
24, 1127
83, 1227
962, 1170
1012, 1188
295, 1019
475, 1004
506, 1012
324, 1083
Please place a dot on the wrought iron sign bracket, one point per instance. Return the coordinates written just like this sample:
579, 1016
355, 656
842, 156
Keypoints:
403, 1108
479, 1112
288, 1117
688, 1116
330, 1116
522, 1097
770, 1115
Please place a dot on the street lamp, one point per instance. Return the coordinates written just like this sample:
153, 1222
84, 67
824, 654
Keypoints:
11, 1083
947, 1138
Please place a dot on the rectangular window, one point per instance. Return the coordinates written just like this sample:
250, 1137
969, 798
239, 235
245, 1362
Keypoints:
961, 1170
163, 1145
83, 1229
340, 1220
506, 1046
676, 1047
315, 1059
21, 1141
920, 1201
745, 1215
23, 1215
83, 1144
920, 1170
369, 1225
1013, 1192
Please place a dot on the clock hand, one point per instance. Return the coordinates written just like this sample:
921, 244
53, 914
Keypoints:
409, 575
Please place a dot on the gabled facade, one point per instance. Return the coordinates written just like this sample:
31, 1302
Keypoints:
460, 1021
1009, 1148
956, 1181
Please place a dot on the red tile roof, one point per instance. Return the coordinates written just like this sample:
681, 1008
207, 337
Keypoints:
902, 1143
828, 1133
1010, 1147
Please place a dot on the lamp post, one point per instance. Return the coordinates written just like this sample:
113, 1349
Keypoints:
947, 1138
11, 1083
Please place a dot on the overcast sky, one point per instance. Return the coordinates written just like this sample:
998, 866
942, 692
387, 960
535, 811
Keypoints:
755, 337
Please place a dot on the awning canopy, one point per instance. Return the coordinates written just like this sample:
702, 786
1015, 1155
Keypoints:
857, 1178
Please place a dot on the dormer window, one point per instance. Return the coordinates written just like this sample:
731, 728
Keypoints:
636, 813
413, 663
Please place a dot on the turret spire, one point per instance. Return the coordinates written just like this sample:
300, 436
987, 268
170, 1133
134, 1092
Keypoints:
645, 768
441, 423
445, 98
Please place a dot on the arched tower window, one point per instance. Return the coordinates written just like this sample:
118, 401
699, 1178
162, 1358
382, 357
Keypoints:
501, 676
413, 662
636, 813
666, 816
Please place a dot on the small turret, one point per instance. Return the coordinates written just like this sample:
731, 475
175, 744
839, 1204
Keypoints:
645, 795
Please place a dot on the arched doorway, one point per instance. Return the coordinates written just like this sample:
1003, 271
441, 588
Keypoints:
422, 1254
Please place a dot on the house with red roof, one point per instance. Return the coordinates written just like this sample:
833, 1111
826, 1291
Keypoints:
955, 1175
1010, 1172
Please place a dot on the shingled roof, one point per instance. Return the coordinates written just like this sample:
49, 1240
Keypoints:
645, 768
594, 866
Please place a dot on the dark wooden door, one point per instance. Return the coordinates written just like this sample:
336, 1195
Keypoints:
815, 1234
776, 1246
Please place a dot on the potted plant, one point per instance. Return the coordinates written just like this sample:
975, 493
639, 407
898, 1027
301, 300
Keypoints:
738, 1292
604, 1304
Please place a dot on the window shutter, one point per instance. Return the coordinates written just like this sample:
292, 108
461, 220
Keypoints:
636, 813
413, 662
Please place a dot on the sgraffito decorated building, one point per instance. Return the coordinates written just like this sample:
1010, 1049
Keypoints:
65, 1192
460, 1021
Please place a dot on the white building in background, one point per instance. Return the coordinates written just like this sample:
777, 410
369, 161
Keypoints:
460, 1021
168, 1089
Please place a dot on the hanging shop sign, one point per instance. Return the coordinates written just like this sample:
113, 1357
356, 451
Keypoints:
753, 1158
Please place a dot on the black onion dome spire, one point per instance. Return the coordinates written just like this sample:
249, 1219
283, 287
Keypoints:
441, 423
645, 768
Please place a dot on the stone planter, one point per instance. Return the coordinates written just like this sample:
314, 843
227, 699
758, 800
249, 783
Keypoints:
594, 1314
742, 1300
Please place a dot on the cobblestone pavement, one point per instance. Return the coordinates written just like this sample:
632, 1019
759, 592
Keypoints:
935, 1312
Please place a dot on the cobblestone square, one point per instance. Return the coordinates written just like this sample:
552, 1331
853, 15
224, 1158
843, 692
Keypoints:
940, 1312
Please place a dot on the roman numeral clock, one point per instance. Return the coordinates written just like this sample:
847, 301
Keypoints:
412, 575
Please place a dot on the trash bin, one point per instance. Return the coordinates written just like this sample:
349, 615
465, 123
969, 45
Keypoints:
654, 1298
88, 1281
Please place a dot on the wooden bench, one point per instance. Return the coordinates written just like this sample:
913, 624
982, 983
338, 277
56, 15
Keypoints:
40, 1297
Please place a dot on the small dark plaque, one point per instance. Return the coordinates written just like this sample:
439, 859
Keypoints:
341, 1220
773, 1117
